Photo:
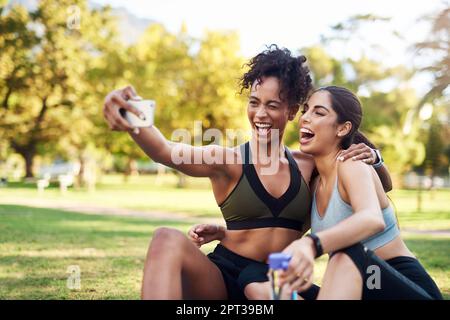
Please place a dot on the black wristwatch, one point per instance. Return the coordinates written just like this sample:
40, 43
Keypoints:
317, 244
378, 160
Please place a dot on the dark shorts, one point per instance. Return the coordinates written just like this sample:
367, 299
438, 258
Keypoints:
237, 271
400, 278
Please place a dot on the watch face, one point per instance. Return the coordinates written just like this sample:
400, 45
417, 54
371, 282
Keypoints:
378, 153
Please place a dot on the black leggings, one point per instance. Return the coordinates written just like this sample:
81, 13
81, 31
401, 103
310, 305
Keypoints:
400, 278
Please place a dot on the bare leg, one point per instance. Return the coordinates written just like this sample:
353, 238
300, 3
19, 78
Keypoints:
258, 291
262, 291
342, 280
175, 268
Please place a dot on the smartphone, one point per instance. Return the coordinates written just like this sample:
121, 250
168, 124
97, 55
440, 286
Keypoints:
147, 107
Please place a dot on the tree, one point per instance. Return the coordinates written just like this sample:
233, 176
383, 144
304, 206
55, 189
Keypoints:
436, 133
43, 85
437, 50
212, 85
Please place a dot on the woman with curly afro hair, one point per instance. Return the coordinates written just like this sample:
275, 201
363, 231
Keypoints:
263, 192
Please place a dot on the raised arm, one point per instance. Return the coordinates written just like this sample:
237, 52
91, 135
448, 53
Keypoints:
204, 161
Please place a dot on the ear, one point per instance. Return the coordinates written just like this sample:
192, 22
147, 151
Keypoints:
344, 129
293, 112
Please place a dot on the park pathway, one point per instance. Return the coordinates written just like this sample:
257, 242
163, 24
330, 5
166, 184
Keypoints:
113, 211
151, 215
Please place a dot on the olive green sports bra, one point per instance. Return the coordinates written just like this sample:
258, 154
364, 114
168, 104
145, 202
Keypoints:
250, 206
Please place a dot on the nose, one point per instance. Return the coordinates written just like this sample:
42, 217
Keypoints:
304, 118
261, 112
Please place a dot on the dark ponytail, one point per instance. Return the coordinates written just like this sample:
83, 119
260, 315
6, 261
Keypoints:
359, 137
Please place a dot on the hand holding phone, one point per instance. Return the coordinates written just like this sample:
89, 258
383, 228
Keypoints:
147, 107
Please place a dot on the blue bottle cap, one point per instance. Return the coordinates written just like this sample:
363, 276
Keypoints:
279, 260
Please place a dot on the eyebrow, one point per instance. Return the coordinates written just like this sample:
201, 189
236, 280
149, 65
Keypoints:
317, 106
270, 101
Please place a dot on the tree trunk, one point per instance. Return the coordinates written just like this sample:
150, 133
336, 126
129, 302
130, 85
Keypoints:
29, 157
28, 150
181, 180
419, 195
80, 179
432, 185
131, 169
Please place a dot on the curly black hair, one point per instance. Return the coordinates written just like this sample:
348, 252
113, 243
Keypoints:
294, 76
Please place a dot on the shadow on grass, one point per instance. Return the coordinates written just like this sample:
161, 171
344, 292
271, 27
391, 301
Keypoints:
44, 277
29, 185
52, 284
47, 215
120, 241
51, 228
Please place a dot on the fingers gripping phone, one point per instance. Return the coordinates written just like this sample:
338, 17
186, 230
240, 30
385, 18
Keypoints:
147, 107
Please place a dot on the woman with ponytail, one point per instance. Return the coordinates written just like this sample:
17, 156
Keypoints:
351, 217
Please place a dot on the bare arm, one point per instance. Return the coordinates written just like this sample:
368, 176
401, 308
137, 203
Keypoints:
188, 159
194, 161
366, 219
385, 178
201, 234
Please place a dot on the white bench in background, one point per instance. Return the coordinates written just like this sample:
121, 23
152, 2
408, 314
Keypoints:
65, 180
42, 184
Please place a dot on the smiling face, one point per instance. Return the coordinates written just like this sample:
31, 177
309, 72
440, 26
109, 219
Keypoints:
267, 112
320, 132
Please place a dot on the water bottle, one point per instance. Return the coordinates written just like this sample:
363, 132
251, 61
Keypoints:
278, 262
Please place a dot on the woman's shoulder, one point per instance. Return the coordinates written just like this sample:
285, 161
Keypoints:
353, 173
350, 167
302, 157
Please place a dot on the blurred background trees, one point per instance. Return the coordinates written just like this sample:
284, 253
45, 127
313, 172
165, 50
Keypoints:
59, 60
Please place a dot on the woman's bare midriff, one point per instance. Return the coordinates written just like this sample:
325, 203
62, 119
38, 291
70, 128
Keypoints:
257, 244
395, 248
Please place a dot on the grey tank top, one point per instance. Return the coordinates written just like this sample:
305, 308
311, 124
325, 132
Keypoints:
338, 210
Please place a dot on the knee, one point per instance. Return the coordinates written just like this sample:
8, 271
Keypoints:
341, 258
350, 256
343, 263
257, 291
166, 240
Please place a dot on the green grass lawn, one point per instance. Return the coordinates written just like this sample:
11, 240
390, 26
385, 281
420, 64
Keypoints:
140, 193
38, 245
161, 194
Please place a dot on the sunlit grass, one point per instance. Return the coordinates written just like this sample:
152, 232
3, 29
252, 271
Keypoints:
161, 194
139, 193
38, 245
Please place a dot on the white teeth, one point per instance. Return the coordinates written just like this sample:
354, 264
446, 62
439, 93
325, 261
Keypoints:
304, 130
262, 125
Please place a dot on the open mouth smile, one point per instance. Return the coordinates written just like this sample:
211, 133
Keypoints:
306, 136
263, 128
